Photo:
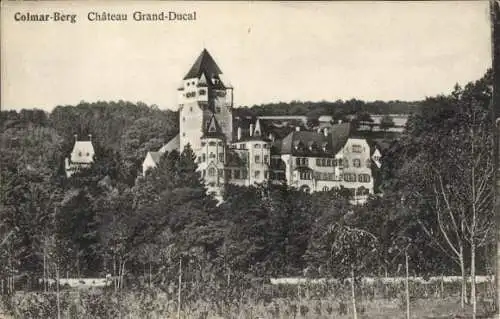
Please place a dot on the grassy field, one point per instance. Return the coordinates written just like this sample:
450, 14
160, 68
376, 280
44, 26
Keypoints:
283, 301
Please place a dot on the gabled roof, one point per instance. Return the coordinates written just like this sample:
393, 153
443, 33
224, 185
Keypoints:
173, 144
155, 156
83, 152
204, 64
298, 142
213, 129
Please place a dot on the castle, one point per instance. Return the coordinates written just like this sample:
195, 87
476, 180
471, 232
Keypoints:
245, 152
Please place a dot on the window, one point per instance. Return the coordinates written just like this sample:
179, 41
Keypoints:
217, 109
221, 157
203, 144
203, 157
191, 109
219, 144
184, 134
221, 172
257, 174
297, 161
257, 159
256, 146
348, 177
305, 189
237, 174
211, 171
242, 146
318, 162
212, 155
356, 148
328, 162
212, 143
368, 163
325, 189
183, 119
346, 163
244, 174
356, 162
364, 178
264, 145
305, 175
266, 174
266, 159
229, 174
202, 92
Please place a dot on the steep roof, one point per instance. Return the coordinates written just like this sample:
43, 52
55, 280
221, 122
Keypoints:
213, 129
156, 156
204, 64
83, 152
307, 143
173, 144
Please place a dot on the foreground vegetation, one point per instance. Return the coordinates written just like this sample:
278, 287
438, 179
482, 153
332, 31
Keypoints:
259, 300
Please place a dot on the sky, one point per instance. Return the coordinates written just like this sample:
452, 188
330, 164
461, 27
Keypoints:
269, 51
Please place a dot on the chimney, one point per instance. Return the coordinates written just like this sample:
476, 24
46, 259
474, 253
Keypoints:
90, 137
325, 131
297, 128
251, 130
319, 130
271, 137
239, 133
76, 137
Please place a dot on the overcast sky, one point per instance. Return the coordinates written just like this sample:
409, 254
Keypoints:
269, 51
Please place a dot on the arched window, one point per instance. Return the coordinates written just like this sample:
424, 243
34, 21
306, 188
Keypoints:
305, 189
356, 162
325, 189
211, 171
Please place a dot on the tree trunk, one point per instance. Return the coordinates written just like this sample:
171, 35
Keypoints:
463, 295
353, 296
57, 293
473, 278
44, 269
150, 276
179, 290
407, 288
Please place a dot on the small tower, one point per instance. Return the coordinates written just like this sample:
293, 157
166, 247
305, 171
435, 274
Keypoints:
212, 157
204, 94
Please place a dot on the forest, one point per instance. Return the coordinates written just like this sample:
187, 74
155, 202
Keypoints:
434, 211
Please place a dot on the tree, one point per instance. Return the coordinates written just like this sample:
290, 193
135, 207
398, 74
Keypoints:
386, 122
446, 171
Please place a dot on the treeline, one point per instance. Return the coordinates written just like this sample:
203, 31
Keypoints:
337, 109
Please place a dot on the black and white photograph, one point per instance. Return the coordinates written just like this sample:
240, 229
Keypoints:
249, 159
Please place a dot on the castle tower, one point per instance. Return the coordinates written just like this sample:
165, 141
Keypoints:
204, 93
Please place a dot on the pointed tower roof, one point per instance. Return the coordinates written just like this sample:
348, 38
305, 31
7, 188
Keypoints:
204, 64
213, 129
